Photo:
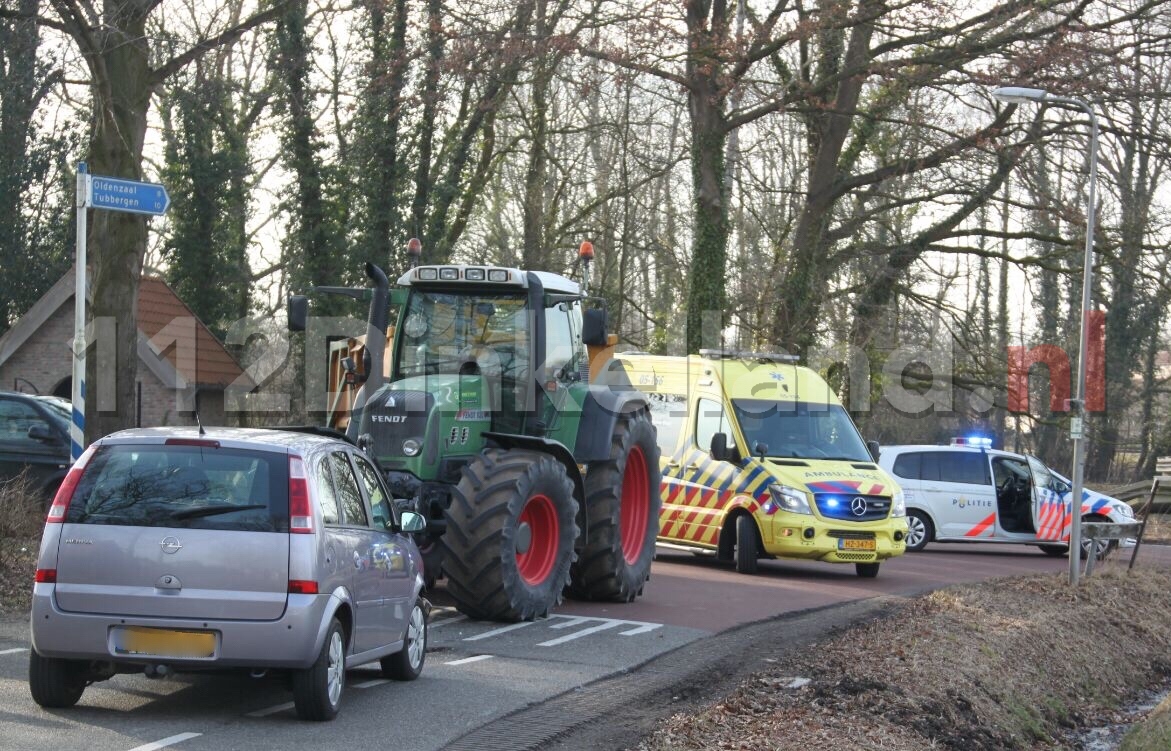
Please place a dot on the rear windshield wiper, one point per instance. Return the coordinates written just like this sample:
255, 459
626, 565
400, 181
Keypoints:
221, 508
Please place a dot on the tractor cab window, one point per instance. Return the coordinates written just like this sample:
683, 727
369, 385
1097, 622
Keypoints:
445, 332
563, 346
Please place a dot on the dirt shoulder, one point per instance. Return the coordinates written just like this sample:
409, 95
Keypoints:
1017, 663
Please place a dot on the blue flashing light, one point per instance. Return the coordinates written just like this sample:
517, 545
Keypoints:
833, 501
975, 441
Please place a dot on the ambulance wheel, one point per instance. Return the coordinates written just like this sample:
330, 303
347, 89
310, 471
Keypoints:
867, 570
509, 539
747, 544
920, 530
621, 515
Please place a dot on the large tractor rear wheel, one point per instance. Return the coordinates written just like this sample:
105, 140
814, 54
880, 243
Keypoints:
510, 531
622, 515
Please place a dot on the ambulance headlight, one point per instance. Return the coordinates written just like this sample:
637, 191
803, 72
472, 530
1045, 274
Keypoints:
790, 499
898, 504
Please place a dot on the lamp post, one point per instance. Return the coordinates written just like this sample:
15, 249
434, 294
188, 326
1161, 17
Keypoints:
1018, 94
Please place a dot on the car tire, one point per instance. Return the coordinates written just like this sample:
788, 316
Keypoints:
407, 663
747, 544
622, 515
53, 682
920, 530
317, 690
867, 570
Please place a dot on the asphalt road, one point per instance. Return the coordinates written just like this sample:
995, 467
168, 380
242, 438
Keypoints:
478, 672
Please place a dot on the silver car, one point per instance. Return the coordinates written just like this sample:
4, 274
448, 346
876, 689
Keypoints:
171, 550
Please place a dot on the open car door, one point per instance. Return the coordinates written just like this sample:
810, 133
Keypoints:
1051, 504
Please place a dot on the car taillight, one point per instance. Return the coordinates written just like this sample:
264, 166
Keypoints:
300, 512
300, 587
64, 495
45, 576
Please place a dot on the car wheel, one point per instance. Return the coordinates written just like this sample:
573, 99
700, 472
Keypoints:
867, 570
317, 690
746, 544
1103, 548
920, 530
53, 682
407, 663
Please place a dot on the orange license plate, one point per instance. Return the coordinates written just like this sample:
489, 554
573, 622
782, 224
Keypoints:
137, 641
848, 544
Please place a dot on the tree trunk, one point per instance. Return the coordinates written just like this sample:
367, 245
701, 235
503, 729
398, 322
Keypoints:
123, 86
709, 131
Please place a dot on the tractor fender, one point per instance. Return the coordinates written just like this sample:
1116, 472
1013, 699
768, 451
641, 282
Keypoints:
556, 449
600, 412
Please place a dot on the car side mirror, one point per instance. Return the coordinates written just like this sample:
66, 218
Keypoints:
409, 521
298, 310
719, 448
41, 432
874, 449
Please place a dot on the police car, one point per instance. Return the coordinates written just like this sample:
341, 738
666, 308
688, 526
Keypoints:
970, 492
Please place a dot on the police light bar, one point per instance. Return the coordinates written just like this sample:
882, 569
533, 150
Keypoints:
975, 441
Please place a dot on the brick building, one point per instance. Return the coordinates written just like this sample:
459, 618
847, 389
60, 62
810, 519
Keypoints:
177, 354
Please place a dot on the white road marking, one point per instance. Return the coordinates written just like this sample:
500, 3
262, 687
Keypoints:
466, 660
644, 628
571, 621
271, 710
13, 651
578, 634
499, 631
447, 621
371, 684
171, 741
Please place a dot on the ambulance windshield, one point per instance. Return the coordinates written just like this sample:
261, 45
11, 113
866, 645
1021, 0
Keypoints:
800, 430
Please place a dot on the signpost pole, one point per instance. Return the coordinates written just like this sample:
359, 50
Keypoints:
77, 427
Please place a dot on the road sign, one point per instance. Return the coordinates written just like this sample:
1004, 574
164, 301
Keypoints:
116, 194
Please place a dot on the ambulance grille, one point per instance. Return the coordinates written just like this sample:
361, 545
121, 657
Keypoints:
841, 507
847, 534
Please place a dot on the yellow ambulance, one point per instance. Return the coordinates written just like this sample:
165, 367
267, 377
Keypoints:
760, 460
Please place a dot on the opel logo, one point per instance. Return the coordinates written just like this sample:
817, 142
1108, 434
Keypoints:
858, 506
170, 545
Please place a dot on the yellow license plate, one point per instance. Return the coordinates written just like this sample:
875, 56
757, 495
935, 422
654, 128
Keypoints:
161, 642
849, 544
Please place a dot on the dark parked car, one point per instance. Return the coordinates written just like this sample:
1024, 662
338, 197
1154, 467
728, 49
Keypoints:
34, 438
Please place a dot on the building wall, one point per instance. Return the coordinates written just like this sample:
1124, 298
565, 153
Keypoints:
46, 359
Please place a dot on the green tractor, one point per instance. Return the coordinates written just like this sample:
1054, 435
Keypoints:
535, 477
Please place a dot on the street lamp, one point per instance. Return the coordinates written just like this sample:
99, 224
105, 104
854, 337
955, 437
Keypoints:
1016, 95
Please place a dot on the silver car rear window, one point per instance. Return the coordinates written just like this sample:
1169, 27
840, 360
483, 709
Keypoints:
197, 487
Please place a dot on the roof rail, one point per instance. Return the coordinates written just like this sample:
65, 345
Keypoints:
739, 354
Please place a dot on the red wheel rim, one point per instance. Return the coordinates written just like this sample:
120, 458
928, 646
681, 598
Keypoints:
636, 505
536, 563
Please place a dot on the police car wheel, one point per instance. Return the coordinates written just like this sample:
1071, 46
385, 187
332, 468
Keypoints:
920, 531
